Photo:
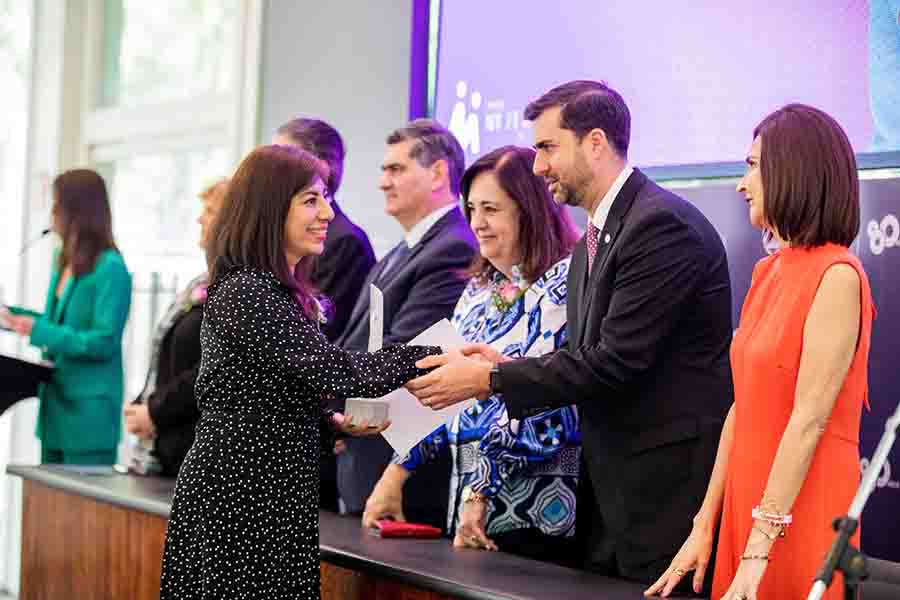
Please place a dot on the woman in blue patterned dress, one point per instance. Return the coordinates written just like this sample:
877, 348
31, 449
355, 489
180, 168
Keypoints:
513, 483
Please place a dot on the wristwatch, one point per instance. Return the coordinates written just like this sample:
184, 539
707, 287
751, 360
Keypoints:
469, 495
496, 386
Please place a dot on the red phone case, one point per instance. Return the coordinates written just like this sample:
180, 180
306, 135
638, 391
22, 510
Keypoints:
394, 529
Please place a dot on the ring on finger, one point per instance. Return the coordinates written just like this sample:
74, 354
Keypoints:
680, 572
474, 539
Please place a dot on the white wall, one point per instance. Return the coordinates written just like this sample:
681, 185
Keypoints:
347, 63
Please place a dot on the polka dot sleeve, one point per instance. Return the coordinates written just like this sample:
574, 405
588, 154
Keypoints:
257, 317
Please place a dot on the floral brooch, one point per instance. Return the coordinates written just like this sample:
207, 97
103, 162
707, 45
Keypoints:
506, 292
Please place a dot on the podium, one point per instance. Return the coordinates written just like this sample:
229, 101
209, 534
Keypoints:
19, 379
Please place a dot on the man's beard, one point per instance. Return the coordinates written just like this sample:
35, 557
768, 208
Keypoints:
573, 194
575, 191
570, 197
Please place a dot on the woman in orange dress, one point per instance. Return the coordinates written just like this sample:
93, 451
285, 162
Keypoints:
788, 459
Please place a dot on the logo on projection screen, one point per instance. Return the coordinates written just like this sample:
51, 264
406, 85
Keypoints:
465, 125
884, 234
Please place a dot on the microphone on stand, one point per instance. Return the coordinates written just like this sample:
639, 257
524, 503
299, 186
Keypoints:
4, 311
34, 240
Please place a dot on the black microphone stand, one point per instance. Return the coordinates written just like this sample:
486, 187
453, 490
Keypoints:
843, 556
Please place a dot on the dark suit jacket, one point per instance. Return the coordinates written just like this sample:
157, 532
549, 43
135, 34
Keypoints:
647, 363
341, 270
417, 294
172, 406
420, 292
340, 273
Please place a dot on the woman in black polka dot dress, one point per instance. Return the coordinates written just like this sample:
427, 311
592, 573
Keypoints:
244, 521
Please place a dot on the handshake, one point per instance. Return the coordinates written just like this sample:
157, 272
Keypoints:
458, 375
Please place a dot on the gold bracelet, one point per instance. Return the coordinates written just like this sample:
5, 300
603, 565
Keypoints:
764, 557
469, 495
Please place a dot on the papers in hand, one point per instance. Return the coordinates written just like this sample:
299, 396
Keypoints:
410, 421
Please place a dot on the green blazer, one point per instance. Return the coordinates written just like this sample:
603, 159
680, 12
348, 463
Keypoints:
81, 332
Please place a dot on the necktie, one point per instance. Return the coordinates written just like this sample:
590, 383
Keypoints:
395, 260
591, 240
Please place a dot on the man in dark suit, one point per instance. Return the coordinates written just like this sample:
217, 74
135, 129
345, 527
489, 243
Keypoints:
340, 271
649, 317
421, 279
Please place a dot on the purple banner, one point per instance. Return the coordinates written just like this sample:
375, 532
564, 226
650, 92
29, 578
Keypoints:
878, 246
697, 76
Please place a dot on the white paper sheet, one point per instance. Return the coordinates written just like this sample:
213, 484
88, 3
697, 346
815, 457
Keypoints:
410, 421
376, 319
374, 411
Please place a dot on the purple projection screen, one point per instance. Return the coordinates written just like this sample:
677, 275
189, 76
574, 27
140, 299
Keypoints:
697, 77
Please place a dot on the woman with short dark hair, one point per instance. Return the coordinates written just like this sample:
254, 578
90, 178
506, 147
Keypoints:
244, 520
513, 484
81, 327
788, 459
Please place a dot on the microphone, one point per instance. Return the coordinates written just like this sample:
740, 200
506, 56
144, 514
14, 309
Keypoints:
34, 240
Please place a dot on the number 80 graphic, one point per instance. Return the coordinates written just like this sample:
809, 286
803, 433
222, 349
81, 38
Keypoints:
884, 235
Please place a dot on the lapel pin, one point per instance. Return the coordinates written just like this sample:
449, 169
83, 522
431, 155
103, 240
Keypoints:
606, 239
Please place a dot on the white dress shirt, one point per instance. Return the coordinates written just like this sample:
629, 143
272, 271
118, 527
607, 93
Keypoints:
418, 231
602, 210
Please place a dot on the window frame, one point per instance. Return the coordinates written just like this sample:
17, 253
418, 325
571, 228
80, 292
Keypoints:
226, 119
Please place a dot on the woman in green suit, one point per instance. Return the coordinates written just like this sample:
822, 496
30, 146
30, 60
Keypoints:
81, 327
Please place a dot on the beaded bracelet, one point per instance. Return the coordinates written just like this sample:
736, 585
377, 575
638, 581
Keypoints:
772, 518
771, 536
764, 557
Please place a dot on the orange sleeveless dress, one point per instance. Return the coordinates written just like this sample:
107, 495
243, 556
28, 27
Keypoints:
765, 359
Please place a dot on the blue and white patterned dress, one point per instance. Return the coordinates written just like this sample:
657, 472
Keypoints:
529, 469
